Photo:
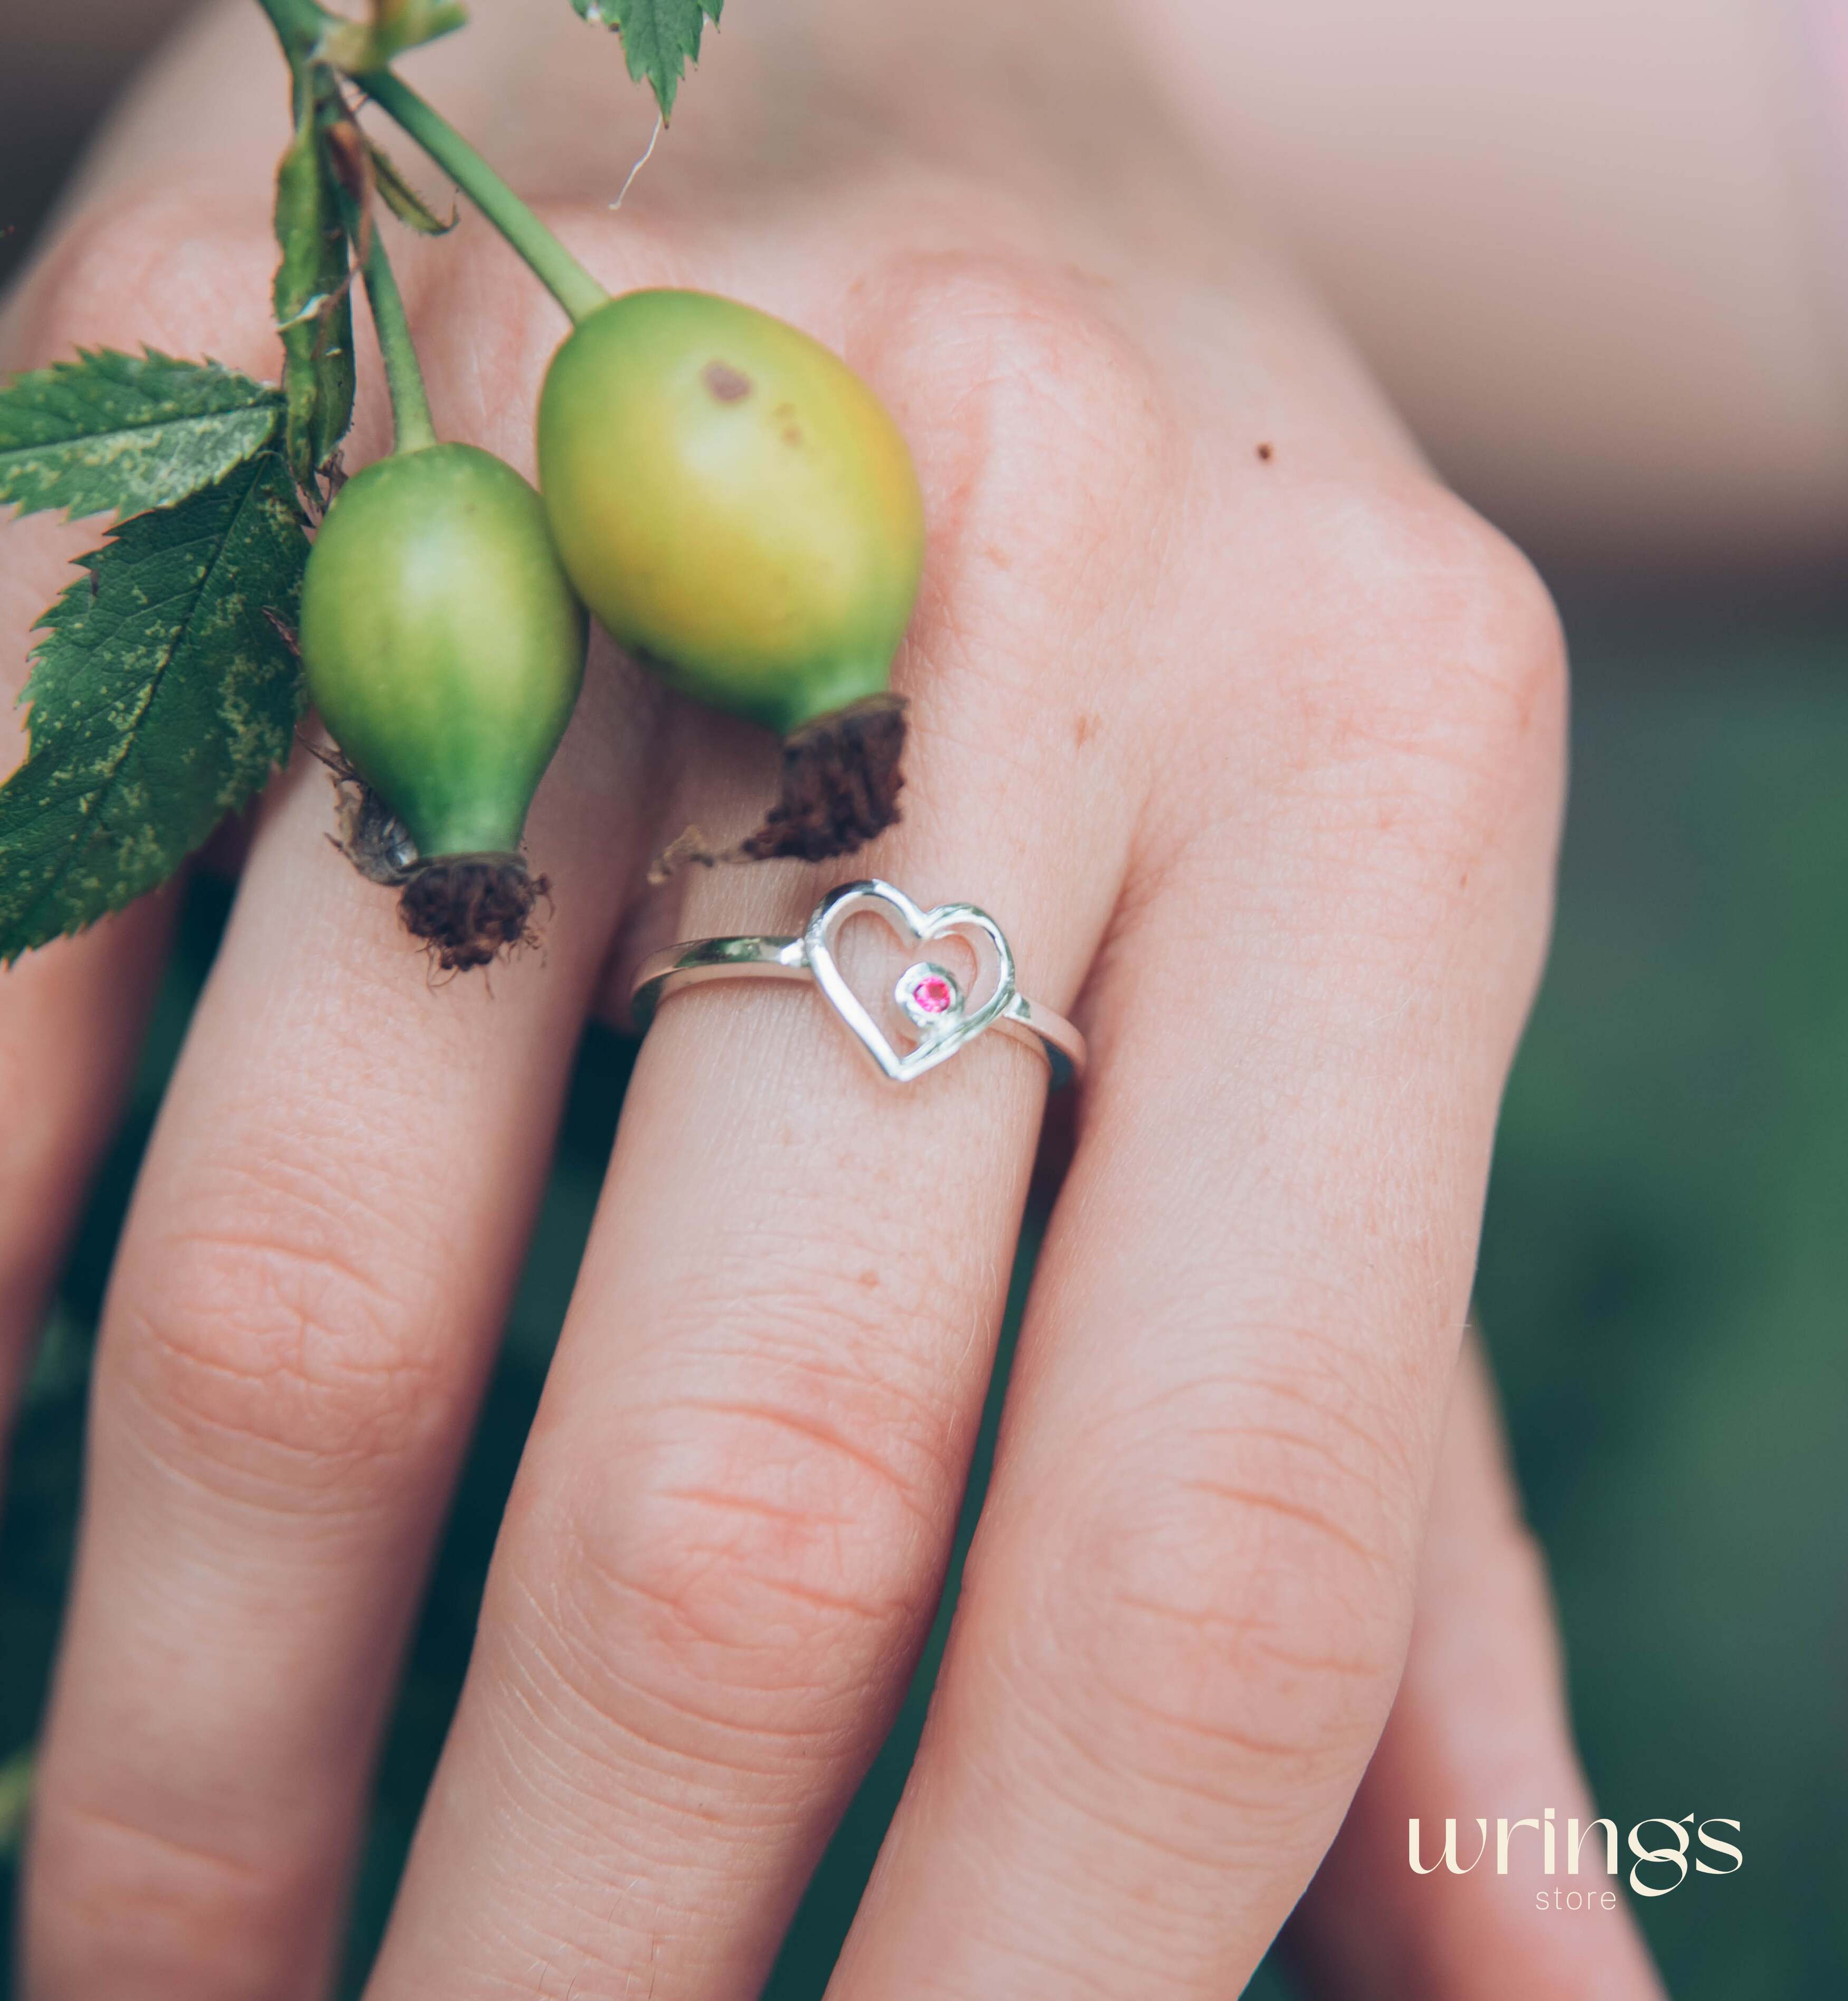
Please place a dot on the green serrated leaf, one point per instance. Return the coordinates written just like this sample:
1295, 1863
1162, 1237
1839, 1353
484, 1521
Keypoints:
659, 38
117, 434
161, 694
312, 296
402, 200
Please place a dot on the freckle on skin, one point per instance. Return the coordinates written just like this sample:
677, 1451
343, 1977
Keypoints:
998, 556
726, 383
1085, 727
1267, 452
870, 1279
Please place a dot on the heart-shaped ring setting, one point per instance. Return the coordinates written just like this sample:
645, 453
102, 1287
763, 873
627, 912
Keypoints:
929, 998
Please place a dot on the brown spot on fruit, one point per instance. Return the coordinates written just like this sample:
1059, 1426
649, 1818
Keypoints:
791, 434
728, 383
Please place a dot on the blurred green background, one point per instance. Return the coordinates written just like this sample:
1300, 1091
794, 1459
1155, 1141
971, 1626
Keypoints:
1663, 1273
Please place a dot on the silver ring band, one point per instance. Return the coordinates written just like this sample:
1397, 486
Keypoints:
928, 995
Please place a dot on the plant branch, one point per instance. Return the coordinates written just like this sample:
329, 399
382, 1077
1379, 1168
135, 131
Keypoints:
412, 425
551, 263
301, 25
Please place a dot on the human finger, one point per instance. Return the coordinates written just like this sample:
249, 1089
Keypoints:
1479, 1727
730, 1527
1187, 1606
326, 1231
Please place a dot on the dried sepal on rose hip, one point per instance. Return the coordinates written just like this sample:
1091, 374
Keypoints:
444, 649
734, 505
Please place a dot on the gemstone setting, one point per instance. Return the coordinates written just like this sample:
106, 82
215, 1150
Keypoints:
929, 999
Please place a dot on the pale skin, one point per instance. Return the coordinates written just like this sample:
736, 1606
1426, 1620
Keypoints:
1258, 761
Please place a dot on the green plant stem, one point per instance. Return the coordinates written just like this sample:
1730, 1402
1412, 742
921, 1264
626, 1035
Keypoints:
553, 264
412, 426
301, 24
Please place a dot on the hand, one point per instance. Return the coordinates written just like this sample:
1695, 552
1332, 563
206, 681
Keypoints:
1255, 754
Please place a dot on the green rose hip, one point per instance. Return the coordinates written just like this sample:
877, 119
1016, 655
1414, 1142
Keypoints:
737, 508
444, 649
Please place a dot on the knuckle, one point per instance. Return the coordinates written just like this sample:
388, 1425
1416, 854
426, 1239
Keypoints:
1413, 753
179, 264
268, 1350
1460, 688
770, 1548
1041, 427
1027, 350
785, 1539
117, 1900
766, 1523
1237, 1605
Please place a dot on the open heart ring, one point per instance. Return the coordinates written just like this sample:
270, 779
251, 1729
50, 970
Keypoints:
940, 1018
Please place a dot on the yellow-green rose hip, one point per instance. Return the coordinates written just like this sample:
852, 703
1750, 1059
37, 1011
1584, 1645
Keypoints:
737, 508
444, 649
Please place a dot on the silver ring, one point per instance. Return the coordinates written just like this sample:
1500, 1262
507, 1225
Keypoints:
929, 998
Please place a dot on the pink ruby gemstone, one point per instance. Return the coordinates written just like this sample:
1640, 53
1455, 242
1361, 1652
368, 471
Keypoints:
932, 995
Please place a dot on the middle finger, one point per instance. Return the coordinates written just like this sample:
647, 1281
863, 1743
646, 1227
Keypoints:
729, 1530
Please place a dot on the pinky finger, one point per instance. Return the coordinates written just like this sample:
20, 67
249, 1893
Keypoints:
1480, 1728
